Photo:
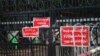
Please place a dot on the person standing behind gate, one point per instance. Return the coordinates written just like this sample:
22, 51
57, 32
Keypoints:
51, 44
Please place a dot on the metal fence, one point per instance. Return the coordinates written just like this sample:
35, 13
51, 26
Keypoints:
34, 50
13, 44
16, 14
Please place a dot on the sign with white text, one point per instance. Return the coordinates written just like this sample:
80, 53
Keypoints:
74, 36
30, 32
41, 22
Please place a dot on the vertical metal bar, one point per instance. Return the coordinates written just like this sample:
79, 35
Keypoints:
46, 50
42, 47
11, 49
35, 52
76, 51
14, 48
28, 50
62, 52
43, 50
97, 35
31, 49
40, 52
18, 51
25, 49
7, 50
1, 50
59, 51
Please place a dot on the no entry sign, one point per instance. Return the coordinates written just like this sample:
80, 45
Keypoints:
74, 35
41, 22
30, 32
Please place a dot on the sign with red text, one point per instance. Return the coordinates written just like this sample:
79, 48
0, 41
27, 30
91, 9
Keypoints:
74, 36
41, 22
30, 32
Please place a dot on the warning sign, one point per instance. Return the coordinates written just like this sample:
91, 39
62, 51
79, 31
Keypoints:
30, 32
41, 22
74, 35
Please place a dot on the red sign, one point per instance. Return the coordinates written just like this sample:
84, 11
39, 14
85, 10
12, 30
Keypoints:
41, 22
74, 35
30, 32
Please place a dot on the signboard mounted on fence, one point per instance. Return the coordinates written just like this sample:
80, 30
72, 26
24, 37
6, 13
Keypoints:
30, 32
43, 22
75, 36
